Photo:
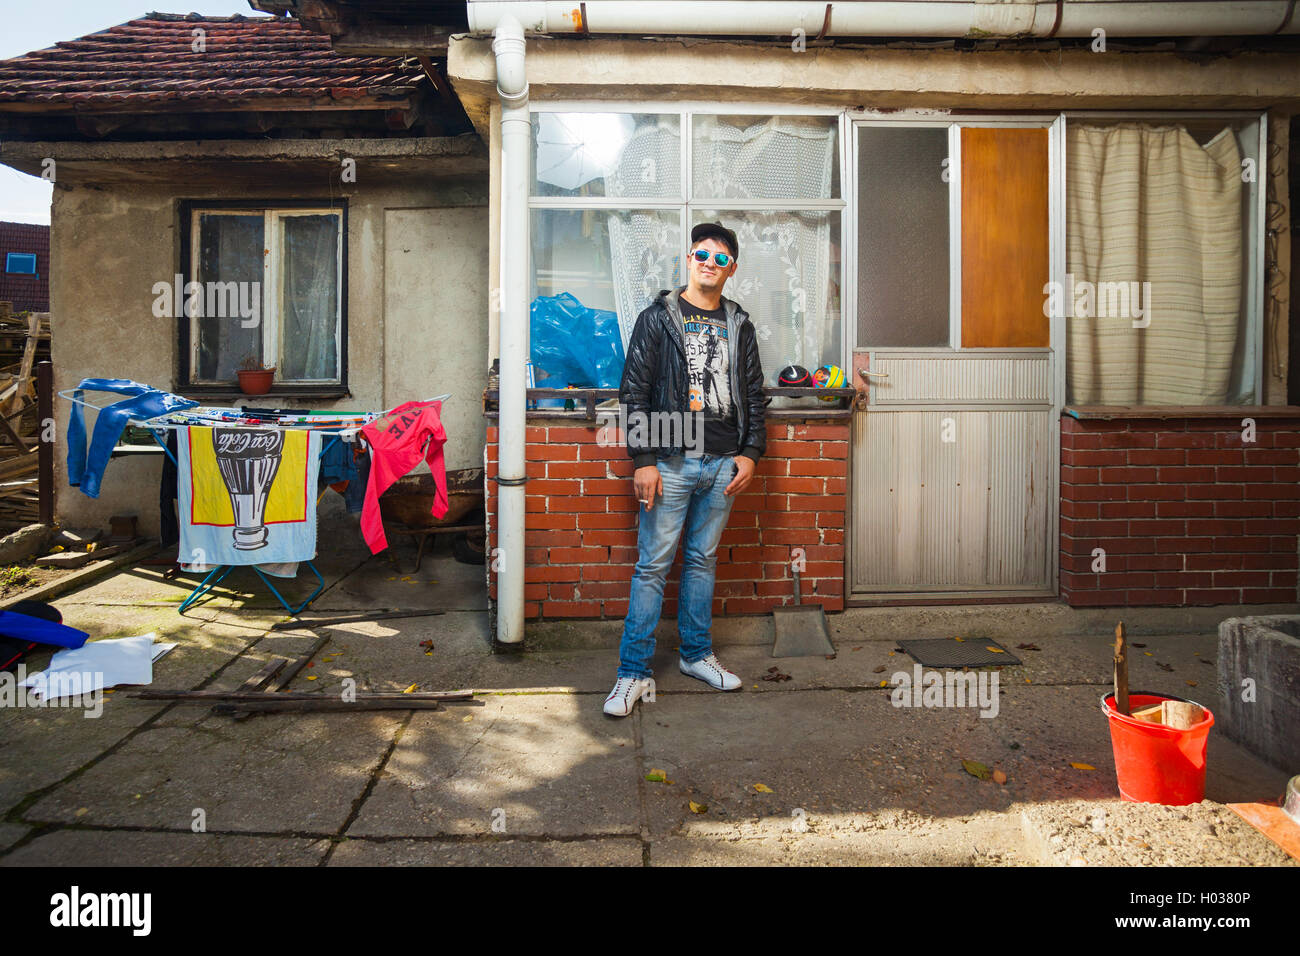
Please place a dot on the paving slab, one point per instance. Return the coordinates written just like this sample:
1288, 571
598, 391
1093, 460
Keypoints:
550, 766
11, 833
890, 838
284, 773
607, 851
39, 746
1118, 833
390, 581
87, 848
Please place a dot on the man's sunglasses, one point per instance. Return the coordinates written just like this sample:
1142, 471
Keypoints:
721, 258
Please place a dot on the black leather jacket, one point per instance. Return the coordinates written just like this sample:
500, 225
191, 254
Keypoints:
655, 377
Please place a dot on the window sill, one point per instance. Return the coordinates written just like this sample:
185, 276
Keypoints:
207, 393
1110, 412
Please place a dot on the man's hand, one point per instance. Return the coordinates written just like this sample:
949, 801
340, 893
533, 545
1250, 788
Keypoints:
744, 475
648, 485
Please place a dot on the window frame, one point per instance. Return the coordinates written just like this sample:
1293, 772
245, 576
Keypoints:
272, 281
685, 203
11, 256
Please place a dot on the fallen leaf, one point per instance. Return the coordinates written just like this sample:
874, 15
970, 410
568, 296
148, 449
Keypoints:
994, 650
467, 719
1082, 766
82, 811
656, 776
878, 670
976, 769
1028, 647
310, 677
411, 689
1028, 681
1147, 653
1136, 644
960, 640
884, 683
698, 807
762, 788
1164, 667
1190, 683
999, 776
858, 648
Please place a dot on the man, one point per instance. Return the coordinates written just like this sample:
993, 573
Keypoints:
693, 355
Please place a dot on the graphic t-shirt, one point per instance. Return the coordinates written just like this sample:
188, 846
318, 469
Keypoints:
708, 362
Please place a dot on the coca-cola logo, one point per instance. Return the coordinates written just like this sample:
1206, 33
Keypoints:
247, 443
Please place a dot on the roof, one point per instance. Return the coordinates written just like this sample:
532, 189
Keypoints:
241, 61
27, 293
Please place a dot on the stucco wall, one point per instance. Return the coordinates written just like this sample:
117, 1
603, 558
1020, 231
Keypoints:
417, 302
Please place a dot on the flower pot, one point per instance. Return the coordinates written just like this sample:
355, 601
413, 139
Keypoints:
255, 381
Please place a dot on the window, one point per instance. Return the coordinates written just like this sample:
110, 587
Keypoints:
1163, 292
20, 263
270, 290
615, 195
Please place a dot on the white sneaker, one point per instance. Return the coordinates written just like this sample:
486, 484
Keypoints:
627, 691
711, 672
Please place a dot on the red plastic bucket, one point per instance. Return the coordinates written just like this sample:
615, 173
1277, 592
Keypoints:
1155, 763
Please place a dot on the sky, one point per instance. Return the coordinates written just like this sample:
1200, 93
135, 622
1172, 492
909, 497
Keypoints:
36, 24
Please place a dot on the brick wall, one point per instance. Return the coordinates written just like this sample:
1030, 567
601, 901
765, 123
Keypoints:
1186, 512
580, 537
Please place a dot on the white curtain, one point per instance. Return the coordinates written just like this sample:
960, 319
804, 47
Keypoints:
784, 275
1148, 204
310, 298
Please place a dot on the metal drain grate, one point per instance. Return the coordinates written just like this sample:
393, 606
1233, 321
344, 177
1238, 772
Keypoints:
946, 652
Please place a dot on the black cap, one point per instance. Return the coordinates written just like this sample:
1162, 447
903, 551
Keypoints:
716, 230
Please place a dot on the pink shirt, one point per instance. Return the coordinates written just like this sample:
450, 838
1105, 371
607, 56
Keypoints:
397, 442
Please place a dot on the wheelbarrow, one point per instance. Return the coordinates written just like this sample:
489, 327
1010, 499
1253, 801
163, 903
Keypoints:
408, 504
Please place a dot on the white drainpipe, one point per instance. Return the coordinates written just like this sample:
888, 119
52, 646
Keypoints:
901, 18
516, 137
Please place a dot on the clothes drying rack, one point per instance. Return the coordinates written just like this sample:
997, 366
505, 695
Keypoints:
185, 418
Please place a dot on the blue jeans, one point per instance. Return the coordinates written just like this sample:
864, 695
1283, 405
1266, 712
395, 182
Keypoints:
692, 498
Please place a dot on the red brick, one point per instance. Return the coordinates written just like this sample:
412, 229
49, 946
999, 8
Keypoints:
1272, 492
565, 504
817, 502
1098, 492
605, 520
811, 486
575, 469
1243, 473
548, 486
552, 539
578, 555
835, 449
1154, 562
829, 432
830, 519
1080, 476
1153, 596
1212, 596
605, 486
1185, 440
1160, 492
1284, 578
532, 609
594, 452
1186, 509
1212, 562
615, 609
550, 522
535, 592
492, 434
1201, 473
557, 434
1232, 579
727, 588
1186, 545
1095, 598
1184, 579
832, 536
1242, 509
1157, 527
606, 572
1242, 543
1268, 595
1214, 526
1269, 456
622, 555
734, 536
1167, 456
554, 452
832, 468
610, 537
788, 519
551, 573
749, 605
1086, 458
794, 449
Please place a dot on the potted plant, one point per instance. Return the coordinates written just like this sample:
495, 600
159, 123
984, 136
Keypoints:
254, 377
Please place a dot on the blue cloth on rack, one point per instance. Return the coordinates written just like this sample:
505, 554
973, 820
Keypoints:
337, 463
86, 470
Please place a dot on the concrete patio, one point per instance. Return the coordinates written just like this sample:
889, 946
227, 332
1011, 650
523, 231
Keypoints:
532, 772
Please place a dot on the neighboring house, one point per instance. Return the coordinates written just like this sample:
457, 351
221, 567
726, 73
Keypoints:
907, 178
1062, 230
25, 261
333, 208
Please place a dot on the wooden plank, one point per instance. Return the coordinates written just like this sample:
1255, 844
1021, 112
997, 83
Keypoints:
1004, 237
29, 356
322, 705
298, 664
264, 674
152, 693
1121, 670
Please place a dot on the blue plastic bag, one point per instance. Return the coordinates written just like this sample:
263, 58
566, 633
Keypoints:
574, 345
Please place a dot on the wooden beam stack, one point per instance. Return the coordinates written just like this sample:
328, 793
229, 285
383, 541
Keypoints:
24, 341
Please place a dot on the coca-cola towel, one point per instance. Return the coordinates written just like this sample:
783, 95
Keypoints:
246, 495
